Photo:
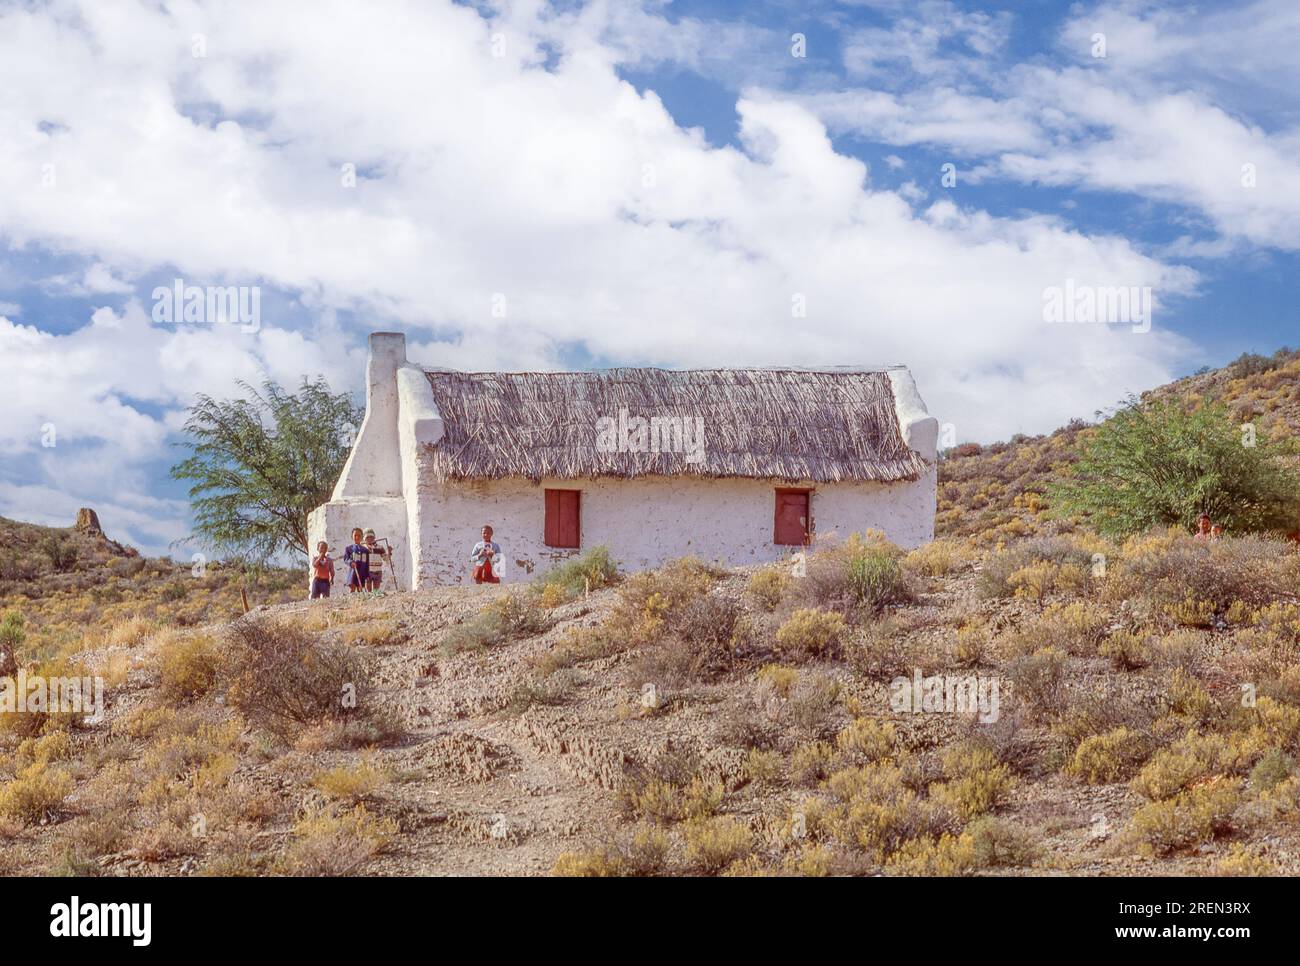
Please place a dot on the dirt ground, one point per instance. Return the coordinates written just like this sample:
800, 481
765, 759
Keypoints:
481, 787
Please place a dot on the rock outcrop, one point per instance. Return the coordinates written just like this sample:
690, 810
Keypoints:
88, 522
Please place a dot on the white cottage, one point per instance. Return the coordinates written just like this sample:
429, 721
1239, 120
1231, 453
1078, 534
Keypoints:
740, 465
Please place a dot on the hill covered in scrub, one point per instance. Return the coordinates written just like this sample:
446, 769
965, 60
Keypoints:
999, 491
697, 720
71, 585
1019, 697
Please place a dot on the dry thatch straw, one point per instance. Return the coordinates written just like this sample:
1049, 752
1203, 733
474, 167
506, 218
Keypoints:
824, 426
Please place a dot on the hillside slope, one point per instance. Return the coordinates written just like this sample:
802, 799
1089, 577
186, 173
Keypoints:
998, 492
697, 721
73, 584
693, 720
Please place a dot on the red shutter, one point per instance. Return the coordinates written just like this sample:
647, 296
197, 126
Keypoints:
563, 518
791, 526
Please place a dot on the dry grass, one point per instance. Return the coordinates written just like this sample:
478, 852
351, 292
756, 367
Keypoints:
332, 841
33, 792
353, 783
188, 665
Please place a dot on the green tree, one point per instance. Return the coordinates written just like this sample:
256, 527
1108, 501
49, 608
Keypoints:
259, 465
1160, 464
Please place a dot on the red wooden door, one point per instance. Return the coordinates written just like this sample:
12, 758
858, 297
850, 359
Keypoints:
791, 526
563, 518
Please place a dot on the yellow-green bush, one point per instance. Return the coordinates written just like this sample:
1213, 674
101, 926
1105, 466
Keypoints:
939, 557
30, 723
972, 644
144, 720
579, 644
1110, 757
193, 755
948, 855
647, 601
780, 678
1240, 861
1271, 770
641, 853
767, 586
713, 844
328, 841
590, 570
1186, 696
810, 861
130, 632
383, 632
1191, 757
1126, 650
1079, 626
811, 633
505, 618
1189, 818
51, 747
876, 811
663, 801
1001, 842
811, 762
869, 738
34, 791
1191, 612
188, 666
352, 782
1179, 649
763, 766
976, 781
1035, 581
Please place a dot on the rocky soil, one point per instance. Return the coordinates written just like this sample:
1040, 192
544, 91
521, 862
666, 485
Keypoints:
501, 770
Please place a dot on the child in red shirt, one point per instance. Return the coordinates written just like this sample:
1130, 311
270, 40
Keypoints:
322, 569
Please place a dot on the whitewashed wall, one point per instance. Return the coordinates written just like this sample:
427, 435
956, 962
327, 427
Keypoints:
646, 522
375, 486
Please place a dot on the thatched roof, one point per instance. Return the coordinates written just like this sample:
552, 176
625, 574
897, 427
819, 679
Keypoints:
825, 426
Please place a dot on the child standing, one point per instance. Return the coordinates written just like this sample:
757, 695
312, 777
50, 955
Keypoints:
485, 555
377, 554
322, 571
357, 557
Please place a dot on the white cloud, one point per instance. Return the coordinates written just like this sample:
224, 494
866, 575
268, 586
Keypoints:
1177, 109
100, 280
153, 525
1174, 147
579, 201
968, 123
936, 39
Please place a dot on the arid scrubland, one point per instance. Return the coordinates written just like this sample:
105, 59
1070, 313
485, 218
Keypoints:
998, 492
1129, 709
1018, 697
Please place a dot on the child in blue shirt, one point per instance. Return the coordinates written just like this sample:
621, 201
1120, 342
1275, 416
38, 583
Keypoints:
357, 559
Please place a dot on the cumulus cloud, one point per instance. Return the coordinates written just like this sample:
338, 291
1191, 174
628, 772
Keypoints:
492, 186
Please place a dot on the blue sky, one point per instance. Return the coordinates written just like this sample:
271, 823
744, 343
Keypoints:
525, 185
